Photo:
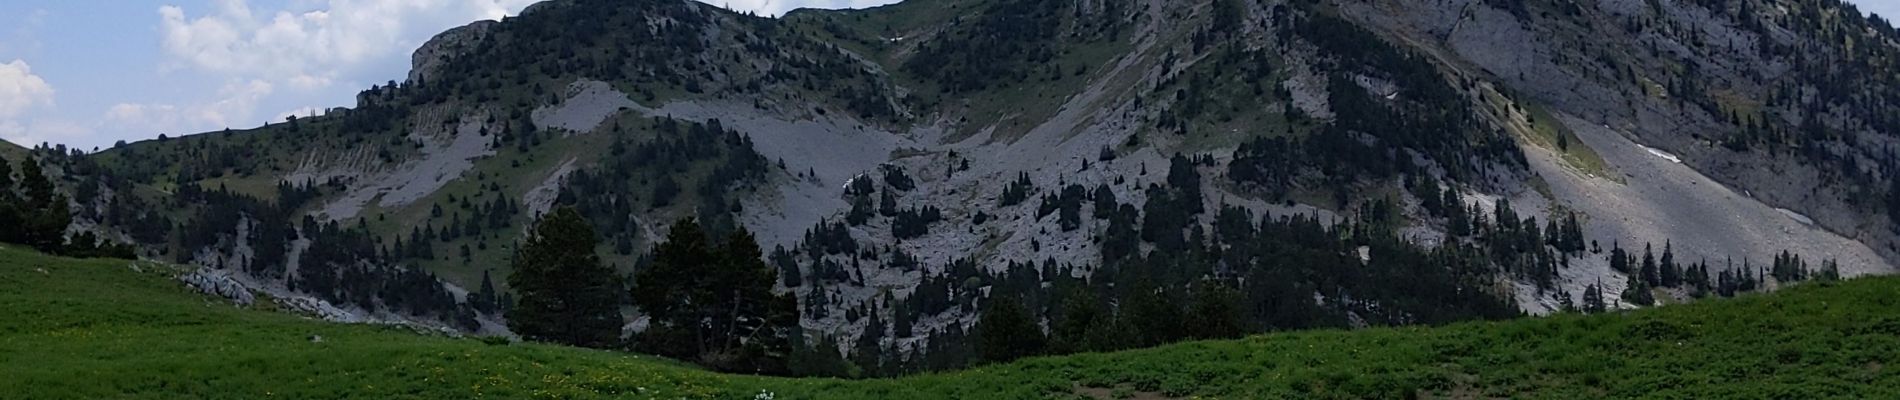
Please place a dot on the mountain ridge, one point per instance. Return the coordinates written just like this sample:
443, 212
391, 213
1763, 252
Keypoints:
1012, 145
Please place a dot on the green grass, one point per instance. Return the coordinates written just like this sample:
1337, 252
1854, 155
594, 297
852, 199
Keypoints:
98, 329
1536, 124
13, 153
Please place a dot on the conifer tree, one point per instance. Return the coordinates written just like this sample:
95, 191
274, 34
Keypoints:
566, 295
1006, 331
713, 302
1214, 314
1650, 274
1671, 273
1593, 298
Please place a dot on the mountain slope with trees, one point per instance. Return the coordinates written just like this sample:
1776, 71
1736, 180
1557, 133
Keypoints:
940, 179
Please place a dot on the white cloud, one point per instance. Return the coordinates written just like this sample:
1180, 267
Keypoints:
1887, 9
294, 52
310, 50
43, 131
236, 104
21, 90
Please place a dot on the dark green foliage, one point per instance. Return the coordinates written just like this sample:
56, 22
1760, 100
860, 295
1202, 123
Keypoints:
915, 222
788, 270
1214, 313
895, 178
34, 214
1638, 293
1007, 331
1018, 190
43, 212
1826, 339
712, 303
486, 300
1649, 272
342, 266
565, 295
1451, 137
1007, 41
605, 195
1593, 301
1067, 205
1084, 325
818, 357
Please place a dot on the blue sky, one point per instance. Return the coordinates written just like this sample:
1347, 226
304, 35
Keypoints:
87, 73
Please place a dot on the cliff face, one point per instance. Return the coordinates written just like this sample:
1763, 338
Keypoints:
429, 59
1705, 82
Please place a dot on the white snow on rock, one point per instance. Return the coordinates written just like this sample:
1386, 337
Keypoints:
1662, 154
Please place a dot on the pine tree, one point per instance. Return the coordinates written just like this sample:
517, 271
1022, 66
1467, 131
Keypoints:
1671, 273
1006, 331
713, 303
1619, 259
1214, 314
566, 294
1593, 298
485, 299
1650, 274
44, 212
10, 207
1637, 293
1074, 332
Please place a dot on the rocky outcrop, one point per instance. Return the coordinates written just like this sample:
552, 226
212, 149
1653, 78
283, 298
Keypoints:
219, 283
430, 58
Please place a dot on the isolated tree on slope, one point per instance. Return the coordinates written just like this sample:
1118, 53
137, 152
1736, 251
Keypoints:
566, 295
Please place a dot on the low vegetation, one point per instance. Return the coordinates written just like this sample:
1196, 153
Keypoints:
108, 328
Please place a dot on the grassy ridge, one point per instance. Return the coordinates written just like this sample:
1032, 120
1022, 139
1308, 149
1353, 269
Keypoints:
100, 329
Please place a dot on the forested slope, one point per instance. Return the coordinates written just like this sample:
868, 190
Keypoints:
124, 329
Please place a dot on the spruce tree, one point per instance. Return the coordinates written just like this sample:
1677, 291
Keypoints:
10, 210
1214, 314
1649, 273
566, 295
1671, 273
1080, 314
485, 299
1593, 298
713, 303
1006, 331
44, 213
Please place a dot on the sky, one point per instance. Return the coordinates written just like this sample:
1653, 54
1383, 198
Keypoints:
88, 73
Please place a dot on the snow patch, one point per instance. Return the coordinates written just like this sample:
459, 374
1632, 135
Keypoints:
1662, 154
1803, 219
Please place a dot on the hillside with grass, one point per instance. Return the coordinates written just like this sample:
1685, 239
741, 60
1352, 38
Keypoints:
107, 328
